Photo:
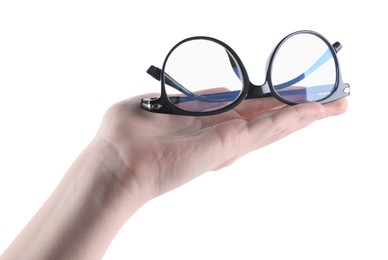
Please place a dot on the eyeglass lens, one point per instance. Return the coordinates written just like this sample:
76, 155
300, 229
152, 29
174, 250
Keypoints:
201, 75
303, 69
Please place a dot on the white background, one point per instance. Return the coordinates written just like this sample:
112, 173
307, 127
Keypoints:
320, 193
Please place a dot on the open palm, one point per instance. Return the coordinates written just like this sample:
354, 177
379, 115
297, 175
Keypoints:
162, 152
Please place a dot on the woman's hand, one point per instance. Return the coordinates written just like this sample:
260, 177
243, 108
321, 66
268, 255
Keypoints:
161, 152
138, 155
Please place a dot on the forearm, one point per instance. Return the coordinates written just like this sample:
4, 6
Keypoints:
83, 214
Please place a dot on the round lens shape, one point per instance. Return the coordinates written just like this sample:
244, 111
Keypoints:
201, 75
303, 69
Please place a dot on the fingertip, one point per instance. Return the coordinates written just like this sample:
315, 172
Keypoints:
315, 109
336, 107
324, 110
342, 105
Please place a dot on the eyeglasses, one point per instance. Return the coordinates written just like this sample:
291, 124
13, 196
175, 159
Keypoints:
204, 76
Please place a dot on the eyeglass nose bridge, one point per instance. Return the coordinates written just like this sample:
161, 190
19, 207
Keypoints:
258, 91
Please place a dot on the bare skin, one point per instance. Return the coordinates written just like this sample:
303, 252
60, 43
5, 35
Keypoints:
137, 156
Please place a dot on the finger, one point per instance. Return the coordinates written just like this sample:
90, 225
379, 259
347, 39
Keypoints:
276, 124
237, 137
252, 107
336, 108
245, 110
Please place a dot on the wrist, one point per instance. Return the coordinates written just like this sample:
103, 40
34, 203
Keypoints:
109, 178
88, 208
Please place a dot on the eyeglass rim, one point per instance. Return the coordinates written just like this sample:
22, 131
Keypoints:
273, 56
176, 110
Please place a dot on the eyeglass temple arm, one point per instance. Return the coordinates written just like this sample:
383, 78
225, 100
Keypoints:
156, 73
254, 92
190, 96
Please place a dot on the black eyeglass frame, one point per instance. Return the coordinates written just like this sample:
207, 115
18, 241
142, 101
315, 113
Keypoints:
163, 104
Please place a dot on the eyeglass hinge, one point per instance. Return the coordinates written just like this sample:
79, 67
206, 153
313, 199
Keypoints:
149, 104
347, 89
337, 46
